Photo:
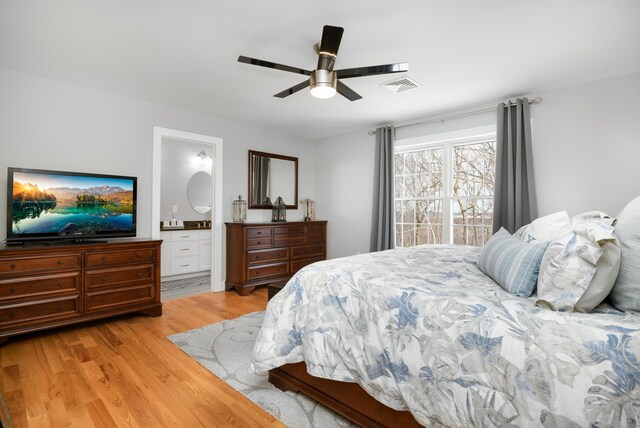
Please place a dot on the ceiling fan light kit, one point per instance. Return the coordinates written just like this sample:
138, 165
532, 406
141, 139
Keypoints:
324, 81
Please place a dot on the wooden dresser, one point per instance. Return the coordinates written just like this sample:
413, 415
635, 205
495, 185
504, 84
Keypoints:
264, 253
44, 286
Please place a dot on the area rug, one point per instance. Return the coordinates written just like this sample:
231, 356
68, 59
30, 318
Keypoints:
225, 348
185, 287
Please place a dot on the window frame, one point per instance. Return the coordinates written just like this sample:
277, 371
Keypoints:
448, 198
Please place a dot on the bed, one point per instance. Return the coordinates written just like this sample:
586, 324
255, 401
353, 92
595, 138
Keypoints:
423, 331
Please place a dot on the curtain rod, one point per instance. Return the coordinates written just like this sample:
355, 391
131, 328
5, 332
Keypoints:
535, 100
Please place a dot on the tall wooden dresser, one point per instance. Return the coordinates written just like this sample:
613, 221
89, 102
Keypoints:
44, 286
263, 253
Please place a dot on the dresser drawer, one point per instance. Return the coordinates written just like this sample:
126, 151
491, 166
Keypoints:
296, 265
119, 276
40, 310
305, 251
262, 256
20, 288
265, 271
184, 249
287, 242
313, 238
288, 231
255, 232
108, 258
129, 296
182, 265
265, 242
40, 263
315, 229
184, 235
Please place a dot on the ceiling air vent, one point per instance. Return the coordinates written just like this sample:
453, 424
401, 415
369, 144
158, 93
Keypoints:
402, 84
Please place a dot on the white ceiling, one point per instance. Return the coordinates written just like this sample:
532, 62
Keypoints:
184, 53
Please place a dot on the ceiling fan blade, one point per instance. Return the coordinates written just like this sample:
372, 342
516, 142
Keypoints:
348, 73
331, 37
347, 92
293, 89
269, 64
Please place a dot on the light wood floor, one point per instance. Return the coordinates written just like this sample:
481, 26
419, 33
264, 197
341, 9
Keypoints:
124, 372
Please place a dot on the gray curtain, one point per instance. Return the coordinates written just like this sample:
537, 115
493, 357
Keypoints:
515, 195
260, 180
383, 235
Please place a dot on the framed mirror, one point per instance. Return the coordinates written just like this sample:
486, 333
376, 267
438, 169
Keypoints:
270, 176
199, 191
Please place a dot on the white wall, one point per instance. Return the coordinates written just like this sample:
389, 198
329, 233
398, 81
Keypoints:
53, 125
344, 191
179, 163
586, 142
586, 146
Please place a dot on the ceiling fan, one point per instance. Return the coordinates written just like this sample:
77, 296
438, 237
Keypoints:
324, 80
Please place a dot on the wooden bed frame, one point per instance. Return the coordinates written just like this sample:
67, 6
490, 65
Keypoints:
347, 399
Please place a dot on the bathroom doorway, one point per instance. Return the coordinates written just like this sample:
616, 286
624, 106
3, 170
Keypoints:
186, 211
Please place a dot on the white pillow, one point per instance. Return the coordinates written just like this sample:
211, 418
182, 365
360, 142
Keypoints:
625, 295
579, 269
547, 228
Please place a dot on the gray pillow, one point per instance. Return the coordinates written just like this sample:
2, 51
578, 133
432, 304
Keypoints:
626, 292
511, 263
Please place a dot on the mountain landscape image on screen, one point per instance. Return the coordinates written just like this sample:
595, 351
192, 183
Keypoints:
71, 205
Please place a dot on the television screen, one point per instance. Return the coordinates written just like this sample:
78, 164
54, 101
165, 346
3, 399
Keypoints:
53, 204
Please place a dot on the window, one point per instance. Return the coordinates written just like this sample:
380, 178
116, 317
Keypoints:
444, 193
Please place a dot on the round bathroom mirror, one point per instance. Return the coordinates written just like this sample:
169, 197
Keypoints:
199, 192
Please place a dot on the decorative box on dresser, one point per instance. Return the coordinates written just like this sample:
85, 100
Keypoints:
44, 286
264, 253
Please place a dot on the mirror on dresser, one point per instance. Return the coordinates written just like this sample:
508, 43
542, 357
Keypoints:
270, 176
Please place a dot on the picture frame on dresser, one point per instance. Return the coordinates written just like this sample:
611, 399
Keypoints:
266, 253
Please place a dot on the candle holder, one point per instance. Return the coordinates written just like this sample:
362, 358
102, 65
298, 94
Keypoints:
279, 210
239, 210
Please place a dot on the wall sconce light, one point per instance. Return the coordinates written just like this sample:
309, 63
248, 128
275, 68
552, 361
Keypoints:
204, 156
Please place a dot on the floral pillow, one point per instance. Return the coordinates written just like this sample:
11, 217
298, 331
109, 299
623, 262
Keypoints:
579, 269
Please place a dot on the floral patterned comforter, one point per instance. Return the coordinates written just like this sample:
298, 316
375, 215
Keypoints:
424, 329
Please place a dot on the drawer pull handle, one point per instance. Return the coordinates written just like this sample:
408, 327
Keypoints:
257, 272
184, 265
103, 278
12, 315
138, 255
12, 289
139, 274
259, 233
104, 258
13, 265
139, 294
259, 242
184, 236
59, 308
60, 262
184, 249
59, 284
103, 300
257, 257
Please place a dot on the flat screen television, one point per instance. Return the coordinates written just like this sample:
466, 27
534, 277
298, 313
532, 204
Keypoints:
52, 205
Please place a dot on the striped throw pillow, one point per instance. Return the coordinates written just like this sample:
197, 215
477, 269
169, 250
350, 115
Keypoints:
512, 263
625, 294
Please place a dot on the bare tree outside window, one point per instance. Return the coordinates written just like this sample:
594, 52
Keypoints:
421, 194
473, 183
